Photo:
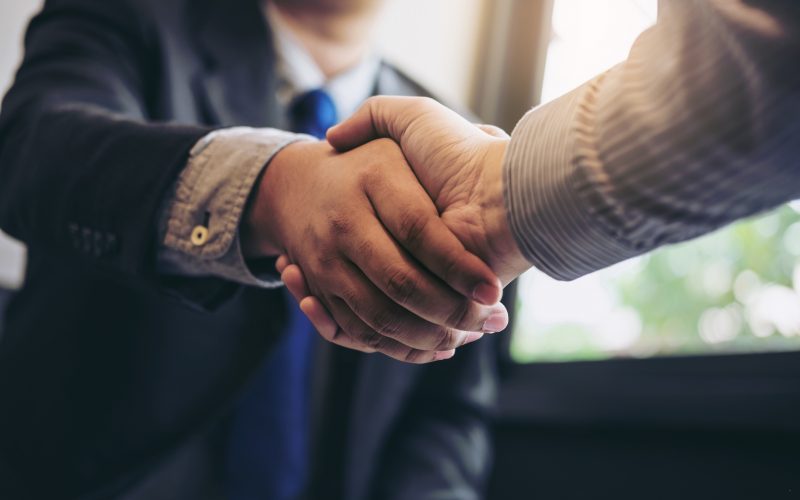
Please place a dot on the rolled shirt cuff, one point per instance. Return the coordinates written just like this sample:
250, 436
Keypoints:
199, 229
552, 199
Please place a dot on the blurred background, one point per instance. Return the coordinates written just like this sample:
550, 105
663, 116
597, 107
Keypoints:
688, 351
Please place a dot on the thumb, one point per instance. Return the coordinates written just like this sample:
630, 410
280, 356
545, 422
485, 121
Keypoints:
380, 116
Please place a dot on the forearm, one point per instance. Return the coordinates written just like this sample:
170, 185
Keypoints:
687, 135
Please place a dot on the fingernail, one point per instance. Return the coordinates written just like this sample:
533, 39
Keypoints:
486, 294
497, 322
472, 337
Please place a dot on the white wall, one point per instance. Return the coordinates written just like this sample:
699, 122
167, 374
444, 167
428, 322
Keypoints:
14, 15
433, 40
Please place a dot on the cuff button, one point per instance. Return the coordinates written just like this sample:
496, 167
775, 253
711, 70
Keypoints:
199, 236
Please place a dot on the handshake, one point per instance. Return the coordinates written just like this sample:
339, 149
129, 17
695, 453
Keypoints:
394, 236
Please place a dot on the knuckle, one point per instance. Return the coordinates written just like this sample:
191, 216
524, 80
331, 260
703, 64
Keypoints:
384, 322
365, 249
350, 296
447, 339
416, 356
370, 175
350, 325
340, 225
363, 347
372, 339
373, 101
326, 260
354, 329
401, 286
460, 315
412, 228
373, 106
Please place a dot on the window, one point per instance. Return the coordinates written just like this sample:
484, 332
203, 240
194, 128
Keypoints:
737, 290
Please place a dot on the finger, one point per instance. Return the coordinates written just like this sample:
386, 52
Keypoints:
294, 280
325, 324
385, 317
315, 310
493, 131
327, 327
360, 331
397, 283
310, 306
319, 315
330, 331
281, 263
405, 209
380, 116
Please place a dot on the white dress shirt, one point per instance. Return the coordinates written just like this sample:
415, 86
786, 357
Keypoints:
298, 73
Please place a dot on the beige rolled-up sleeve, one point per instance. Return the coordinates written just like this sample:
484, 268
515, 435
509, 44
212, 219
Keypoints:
199, 230
696, 129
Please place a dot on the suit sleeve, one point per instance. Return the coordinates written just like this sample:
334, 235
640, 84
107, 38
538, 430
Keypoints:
697, 128
441, 447
83, 169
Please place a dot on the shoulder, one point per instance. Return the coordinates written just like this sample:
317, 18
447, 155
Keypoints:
123, 15
394, 81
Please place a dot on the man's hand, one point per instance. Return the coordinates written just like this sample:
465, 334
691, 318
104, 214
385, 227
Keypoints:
373, 250
458, 163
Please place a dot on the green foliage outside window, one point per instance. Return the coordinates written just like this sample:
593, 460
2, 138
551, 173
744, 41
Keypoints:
737, 290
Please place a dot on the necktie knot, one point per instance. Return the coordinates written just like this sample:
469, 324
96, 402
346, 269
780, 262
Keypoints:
313, 113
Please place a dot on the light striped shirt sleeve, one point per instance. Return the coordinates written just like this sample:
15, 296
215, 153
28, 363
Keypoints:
699, 127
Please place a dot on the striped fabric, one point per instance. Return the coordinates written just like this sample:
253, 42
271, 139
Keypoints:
698, 128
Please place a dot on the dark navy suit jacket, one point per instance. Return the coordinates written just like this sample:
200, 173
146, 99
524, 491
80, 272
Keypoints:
111, 386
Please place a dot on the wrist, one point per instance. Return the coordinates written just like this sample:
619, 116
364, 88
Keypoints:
260, 225
507, 258
254, 242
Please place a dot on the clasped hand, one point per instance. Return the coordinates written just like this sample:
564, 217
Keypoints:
399, 251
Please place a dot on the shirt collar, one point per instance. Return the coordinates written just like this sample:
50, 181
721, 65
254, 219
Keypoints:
299, 73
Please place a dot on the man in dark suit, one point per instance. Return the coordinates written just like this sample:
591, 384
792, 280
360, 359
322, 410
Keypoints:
149, 342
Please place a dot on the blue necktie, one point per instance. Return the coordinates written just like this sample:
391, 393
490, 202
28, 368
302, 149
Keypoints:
267, 452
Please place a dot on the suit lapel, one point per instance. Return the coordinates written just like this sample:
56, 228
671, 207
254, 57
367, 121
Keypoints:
237, 84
